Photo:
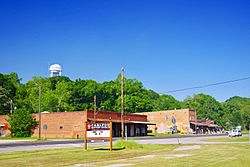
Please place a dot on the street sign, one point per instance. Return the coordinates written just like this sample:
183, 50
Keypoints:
173, 120
166, 117
45, 126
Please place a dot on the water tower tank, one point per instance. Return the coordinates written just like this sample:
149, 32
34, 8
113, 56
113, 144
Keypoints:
55, 70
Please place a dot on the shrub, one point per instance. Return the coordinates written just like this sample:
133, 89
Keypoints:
127, 144
21, 124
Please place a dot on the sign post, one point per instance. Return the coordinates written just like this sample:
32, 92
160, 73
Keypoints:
110, 136
174, 122
85, 135
45, 127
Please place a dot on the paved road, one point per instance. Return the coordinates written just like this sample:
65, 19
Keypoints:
12, 146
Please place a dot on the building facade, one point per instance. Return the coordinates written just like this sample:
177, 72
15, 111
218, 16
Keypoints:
71, 124
181, 120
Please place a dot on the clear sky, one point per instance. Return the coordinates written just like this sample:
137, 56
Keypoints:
166, 44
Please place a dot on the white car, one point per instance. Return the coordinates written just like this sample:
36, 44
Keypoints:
235, 132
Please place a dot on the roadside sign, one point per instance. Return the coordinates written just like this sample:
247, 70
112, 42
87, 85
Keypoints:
98, 131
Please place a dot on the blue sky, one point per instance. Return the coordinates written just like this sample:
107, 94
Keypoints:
166, 44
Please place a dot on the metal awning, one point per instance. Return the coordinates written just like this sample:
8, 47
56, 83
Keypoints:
202, 124
198, 124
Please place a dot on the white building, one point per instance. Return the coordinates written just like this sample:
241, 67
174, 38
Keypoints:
55, 70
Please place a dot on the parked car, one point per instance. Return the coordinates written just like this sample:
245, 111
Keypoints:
234, 133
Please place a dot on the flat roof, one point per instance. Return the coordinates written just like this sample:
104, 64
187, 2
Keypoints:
125, 121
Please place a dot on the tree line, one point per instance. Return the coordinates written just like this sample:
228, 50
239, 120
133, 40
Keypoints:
62, 94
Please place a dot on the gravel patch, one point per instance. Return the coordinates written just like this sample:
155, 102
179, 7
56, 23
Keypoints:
146, 156
168, 156
118, 165
183, 148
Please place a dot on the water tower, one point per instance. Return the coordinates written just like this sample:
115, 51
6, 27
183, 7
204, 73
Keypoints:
55, 70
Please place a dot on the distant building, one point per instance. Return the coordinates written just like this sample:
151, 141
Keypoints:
182, 120
55, 70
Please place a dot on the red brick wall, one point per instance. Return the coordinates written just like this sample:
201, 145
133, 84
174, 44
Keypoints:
71, 124
62, 124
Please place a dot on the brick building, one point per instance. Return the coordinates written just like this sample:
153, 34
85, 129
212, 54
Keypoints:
183, 120
4, 126
71, 124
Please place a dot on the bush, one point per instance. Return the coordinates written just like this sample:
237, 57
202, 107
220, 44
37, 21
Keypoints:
127, 144
21, 124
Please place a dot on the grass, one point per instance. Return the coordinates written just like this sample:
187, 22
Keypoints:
127, 144
166, 134
228, 155
35, 138
245, 132
229, 139
19, 138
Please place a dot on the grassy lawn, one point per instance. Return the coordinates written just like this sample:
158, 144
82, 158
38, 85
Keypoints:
19, 138
245, 132
166, 134
229, 139
231, 155
34, 138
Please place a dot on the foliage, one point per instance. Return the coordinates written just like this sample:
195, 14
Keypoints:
21, 124
238, 111
9, 84
127, 144
61, 94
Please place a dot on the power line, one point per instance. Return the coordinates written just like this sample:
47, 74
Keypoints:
208, 85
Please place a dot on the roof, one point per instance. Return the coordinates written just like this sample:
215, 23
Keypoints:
202, 124
55, 67
199, 124
125, 121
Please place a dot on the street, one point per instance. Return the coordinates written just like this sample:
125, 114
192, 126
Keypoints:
26, 146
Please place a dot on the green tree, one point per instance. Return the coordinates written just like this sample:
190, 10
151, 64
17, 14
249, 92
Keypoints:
62, 95
238, 111
167, 102
54, 80
9, 84
32, 88
21, 123
206, 107
83, 92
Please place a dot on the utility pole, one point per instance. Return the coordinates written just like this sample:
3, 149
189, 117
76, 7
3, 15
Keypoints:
122, 112
94, 108
11, 104
40, 124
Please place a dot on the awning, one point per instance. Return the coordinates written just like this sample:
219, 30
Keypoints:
214, 126
201, 124
198, 124
119, 121
138, 122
